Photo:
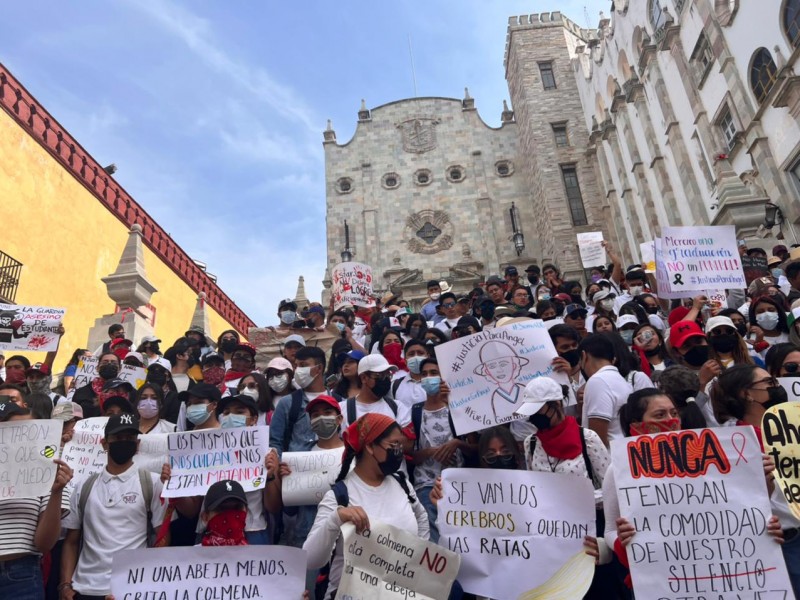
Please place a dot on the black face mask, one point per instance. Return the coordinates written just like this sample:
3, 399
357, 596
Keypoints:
724, 343
487, 311
540, 421
381, 387
502, 462
654, 352
533, 279
697, 356
573, 357
577, 299
157, 378
741, 328
394, 458
651, 310
777, 395
122, 451
228, 346
108, 371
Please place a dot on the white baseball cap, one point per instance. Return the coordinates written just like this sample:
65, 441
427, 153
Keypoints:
374, 363
623, 320
162, 362
537, 393
719, 321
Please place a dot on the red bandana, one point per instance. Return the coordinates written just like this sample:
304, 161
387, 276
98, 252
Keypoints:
655, 426
97, 387
391, 352
226, 529
562, 441
233, 375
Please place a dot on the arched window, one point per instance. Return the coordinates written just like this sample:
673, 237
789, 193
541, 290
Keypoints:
762, 74
657, 15
791, 21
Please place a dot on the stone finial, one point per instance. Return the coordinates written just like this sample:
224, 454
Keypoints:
329, 135
128, 286
468, 103
363, 113
300, 297
507, 116
200, 317
466, 252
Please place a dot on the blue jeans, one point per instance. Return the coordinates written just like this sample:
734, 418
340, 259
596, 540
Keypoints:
424, 497
791, 554
21, 578
257, 538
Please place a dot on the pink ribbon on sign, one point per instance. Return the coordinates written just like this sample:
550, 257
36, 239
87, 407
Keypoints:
739, 451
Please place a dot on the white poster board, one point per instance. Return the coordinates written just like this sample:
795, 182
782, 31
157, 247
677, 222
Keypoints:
699, 259
503, 522
312, 475
698, 501
212, 572
87, 371
390, 563
792, 387
647, 250
487, 372
27, 450
32, 328
590, 246
352, 285
200, 458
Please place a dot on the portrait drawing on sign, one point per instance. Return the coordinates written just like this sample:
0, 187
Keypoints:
9, 326
500, 366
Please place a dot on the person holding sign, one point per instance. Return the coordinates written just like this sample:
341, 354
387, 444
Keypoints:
110, 512
30, 526
373, 490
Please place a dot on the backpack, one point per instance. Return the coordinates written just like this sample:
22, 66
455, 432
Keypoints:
343, 497
396, 384
294, 415
531, 442
351, 408
416, 421
145, 481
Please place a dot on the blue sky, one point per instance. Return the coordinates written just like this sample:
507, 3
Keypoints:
214, 111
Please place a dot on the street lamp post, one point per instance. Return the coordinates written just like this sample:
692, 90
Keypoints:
347, 253
517, 237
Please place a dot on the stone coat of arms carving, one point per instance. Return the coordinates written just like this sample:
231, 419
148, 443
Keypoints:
419, 134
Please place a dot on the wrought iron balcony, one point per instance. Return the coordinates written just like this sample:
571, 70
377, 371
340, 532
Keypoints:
10, 271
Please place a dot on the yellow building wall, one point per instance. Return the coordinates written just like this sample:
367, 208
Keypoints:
67, 241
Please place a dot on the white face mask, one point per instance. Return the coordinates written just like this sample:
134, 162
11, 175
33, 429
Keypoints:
434, 296
303, 377
252, 392
279, 382
635, 290
607, 304
768, 320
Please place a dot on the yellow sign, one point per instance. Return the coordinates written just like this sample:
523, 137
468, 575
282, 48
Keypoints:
780, 430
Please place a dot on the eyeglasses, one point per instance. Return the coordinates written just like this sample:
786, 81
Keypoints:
491, 459
393, 447
791, 367
449, 305
770, 381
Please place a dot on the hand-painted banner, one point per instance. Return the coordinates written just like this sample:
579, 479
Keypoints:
269, 340
87, 371
387, 563
647, 250
33, 328
590, 246
504, 522
792, 387
665, 289
754, 267
312, 475
702, 258
27, 450
780, 431
209, 572
352, 285
487, 372
85, 455
199, 458
698, 501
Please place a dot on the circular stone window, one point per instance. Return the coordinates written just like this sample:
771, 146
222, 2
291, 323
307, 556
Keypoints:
391, 181
455, 173
504, 168
423, 177
344, 185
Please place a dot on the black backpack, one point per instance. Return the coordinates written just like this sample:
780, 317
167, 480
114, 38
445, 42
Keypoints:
416, 421
343, 497
350, 406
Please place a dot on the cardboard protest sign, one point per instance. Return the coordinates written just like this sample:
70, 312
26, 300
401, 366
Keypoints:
792, 387
665, 289
647, 250
590, 247
754, 267
27, 450
85, 455
702, 258
199, 458
87, 371
487, 372
352, 285
212, 572
504, 522
698, 501
312, 475
386, 562
33, 328
717, 299
780, 431
269, 340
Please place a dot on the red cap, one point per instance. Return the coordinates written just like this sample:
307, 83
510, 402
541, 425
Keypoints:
117, 341
563, 297
247, 348
677, 314
682, 331
42, 368
324, 399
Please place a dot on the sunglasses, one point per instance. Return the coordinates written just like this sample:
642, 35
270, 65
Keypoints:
791, 367
448, 305
491, 459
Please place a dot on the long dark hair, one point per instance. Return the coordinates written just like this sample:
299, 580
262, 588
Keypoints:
682, 385
504, 434
782, 324
624, 359
635, 309
776, 355
633, 410
156, 388
349, 455
416, 318
725, 399
266, 401
76, 357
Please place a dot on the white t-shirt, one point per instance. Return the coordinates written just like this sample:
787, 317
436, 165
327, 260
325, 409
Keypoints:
181, 381
409, 392
446, 326
605, 393
115, 520
163, 426
381, 407
386, 503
